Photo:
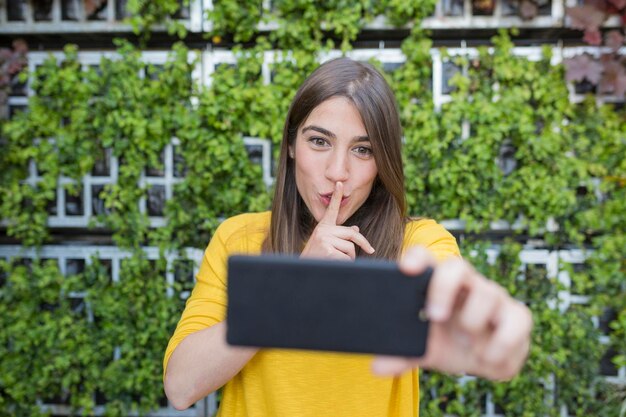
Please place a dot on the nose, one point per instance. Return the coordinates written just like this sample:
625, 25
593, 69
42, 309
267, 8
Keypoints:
337, 167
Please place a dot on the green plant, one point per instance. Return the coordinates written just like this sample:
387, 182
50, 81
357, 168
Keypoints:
74, 105
134, 319
46, 341
564, 163
145, 14
56, 134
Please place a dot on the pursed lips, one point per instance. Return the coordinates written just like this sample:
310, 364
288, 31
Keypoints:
327, 197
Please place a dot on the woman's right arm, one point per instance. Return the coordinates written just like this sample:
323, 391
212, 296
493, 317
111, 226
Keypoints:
201, 364
198, 360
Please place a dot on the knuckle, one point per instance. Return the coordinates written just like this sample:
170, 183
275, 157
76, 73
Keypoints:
493, 290
472, 324
477, 318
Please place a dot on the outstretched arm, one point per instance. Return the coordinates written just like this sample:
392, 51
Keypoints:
476, 326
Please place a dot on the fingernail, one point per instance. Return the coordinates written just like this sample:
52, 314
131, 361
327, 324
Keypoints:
372, 250
436, 312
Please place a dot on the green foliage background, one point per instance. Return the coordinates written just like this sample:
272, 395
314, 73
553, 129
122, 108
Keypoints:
570, 167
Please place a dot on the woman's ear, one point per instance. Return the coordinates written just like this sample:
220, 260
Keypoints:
291, 152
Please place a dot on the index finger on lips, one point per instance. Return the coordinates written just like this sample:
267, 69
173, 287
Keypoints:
332, 211
449, 280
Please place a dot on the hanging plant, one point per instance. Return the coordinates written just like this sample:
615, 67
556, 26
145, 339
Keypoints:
606, 72
12, 61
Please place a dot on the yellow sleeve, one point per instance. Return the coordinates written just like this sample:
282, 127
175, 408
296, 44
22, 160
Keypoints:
433, 236
207, 302
206, 305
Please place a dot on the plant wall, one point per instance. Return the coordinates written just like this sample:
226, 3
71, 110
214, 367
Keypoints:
532, 158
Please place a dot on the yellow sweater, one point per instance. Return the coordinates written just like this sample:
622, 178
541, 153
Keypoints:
277, 383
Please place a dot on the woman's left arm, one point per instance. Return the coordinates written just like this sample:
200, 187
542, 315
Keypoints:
476, 327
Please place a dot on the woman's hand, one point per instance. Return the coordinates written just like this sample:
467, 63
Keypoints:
331, 241
476, 327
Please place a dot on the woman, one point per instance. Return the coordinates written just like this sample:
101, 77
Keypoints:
340, 194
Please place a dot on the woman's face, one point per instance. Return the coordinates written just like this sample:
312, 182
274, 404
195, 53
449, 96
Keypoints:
332, 145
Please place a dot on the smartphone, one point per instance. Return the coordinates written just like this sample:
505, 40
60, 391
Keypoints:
364, 306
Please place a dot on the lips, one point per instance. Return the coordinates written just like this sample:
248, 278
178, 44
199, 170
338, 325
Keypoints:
327, 197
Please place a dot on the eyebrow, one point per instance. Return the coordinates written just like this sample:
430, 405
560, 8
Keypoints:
332, 135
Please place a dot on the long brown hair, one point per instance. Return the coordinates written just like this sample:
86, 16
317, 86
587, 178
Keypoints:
382, 217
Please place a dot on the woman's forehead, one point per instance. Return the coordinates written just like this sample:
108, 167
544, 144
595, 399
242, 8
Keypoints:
337, 115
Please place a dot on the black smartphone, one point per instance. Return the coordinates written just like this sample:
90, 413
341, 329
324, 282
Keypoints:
365, 306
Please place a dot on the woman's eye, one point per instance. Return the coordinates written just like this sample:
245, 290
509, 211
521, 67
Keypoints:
317, 141
363, 151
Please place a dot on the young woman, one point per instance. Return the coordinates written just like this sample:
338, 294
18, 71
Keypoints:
340, 194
